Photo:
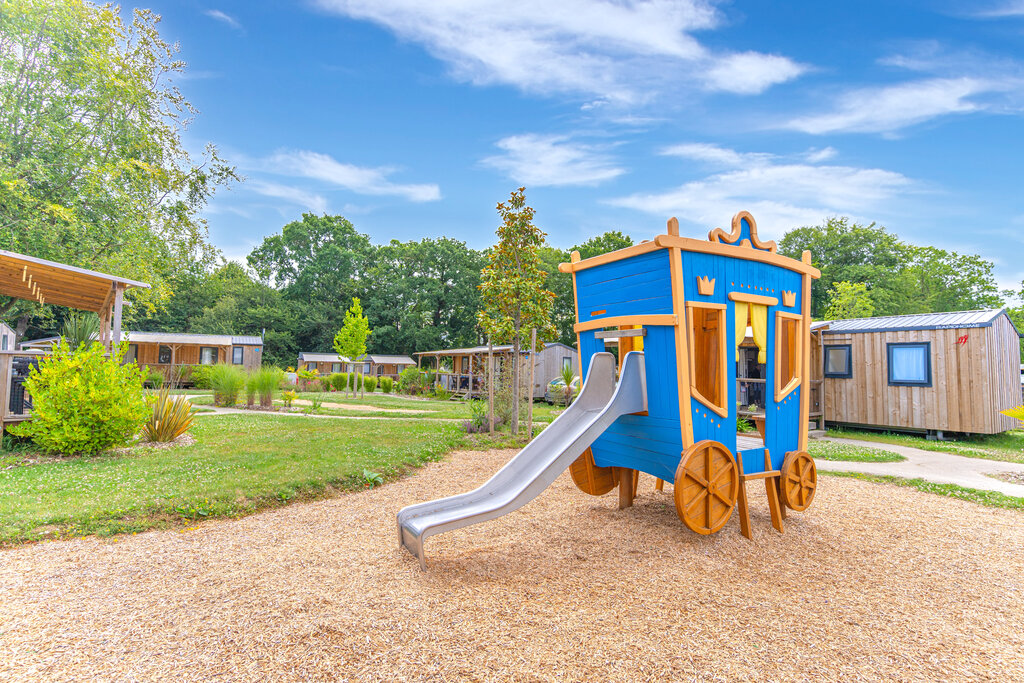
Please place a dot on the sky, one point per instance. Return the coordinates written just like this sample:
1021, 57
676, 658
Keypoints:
414, 118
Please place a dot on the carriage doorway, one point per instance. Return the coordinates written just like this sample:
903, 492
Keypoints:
750, 342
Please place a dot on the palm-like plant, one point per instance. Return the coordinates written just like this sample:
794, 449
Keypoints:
80, 329
172, 416
568, 375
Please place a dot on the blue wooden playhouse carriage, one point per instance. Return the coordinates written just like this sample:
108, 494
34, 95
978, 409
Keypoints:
679, 310
694, 307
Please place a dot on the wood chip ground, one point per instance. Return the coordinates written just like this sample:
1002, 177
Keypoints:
873, 582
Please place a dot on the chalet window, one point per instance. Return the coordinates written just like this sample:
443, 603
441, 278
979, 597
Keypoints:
238, 355
707, 355
335, 367
366, 368
3, 344
566, 362
910, 363
133, 354
788, 354
380, 370
838, 360
164, 355
465, 365
207, 355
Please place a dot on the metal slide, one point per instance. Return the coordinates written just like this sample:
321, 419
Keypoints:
535, 467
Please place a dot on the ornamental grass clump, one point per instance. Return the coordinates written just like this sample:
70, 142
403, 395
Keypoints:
226, 381
171, 417
84, 401
265, 381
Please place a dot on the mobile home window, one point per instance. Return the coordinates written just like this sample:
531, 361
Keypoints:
237, 355
207, 355
164, 355
335, 367
465, 365
4, 343
910, 363
707, 355
788, 354
566, 362
133, 353
838, 360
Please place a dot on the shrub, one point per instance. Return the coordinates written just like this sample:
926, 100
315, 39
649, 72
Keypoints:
171, 417
412, 381
83, 401
266, 381
226, 381
352, 379
369, 383
339, 381
478, 421
200, 376
304, 378
152, 377
288, 397
385, 384
80, 329
441, 393
316, 404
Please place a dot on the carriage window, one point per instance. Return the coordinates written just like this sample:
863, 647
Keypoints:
837, 361
788, 348
910, 364
707, 355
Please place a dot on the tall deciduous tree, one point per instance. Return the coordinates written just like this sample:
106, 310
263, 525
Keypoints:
849, 300
513, 297
350, 340
93, 171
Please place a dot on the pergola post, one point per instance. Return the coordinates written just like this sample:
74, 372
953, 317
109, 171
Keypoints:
115, 321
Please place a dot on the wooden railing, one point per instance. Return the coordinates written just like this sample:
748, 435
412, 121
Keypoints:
17, 404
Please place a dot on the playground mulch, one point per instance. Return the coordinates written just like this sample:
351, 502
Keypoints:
873, 582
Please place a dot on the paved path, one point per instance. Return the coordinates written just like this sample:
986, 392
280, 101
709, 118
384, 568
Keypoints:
942, 468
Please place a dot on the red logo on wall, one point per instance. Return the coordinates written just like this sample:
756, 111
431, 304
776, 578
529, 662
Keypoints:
961, 340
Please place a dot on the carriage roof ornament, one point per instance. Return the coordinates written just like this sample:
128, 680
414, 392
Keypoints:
744, 234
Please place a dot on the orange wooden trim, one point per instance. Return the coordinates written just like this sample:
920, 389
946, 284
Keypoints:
706, 286
788, 299
722, 410
675, 258
672, 226
753, 298
690, 244
719, 235
620, 320
574, 257
601, 312
805, 396
610, 257
783, 392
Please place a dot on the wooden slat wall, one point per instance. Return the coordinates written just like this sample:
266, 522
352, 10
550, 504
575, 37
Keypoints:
971, 382
188, 354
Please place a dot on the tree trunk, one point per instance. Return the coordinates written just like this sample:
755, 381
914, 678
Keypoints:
529, 391
20, 328
515, 379
490, 383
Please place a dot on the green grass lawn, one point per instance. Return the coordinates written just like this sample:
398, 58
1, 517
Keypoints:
987, 498
1008, 446
830, 450
239, 464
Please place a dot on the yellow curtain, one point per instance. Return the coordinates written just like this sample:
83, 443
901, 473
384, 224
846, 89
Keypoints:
741, 323
759, 323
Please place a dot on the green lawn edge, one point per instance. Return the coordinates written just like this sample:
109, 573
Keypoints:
993, 499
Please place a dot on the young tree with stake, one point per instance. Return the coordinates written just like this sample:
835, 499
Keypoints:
513, 297
350, 340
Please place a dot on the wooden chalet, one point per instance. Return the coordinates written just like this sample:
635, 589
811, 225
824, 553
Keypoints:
932, 373
384, 365
323, 363
462, 371
49, 282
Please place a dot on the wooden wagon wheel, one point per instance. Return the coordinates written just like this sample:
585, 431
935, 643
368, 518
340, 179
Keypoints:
590, 478
706, 486
799, 480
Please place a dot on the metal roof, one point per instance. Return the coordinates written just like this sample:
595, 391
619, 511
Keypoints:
914, 321
384, 358
191, 338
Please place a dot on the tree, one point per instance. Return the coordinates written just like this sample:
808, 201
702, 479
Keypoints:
350, 340
93, 171
513, 297
318, 264
849, 300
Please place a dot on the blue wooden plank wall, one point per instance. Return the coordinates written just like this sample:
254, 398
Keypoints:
632, 286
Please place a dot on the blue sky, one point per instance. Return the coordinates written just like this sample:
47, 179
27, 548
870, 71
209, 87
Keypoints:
413, 118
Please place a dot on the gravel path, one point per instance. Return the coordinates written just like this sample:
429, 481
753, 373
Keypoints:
874, 582
942, 468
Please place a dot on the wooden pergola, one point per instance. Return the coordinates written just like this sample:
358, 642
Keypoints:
49, 282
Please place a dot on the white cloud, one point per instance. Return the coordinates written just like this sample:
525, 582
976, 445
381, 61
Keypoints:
714, 155
780, 195
750, 73
625, 52
225, 18
359, 179
309, 200
889, 108
1010, 8
551, 160
816, 156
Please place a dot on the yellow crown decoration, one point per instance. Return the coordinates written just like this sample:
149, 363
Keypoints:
788, 299
705, 287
